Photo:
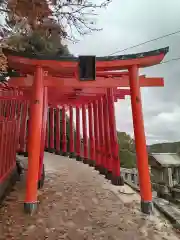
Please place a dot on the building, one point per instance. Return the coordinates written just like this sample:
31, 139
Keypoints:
165, 168
165, 174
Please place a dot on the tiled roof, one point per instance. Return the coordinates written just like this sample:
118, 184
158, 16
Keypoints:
166, 159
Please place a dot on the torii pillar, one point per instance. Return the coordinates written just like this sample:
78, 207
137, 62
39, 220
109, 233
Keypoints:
64, 135
102, 167
47, 133
78, 146
117, 179
96, 135
51, 129
34, 142
58, 151
107, 139
43, 139
91, 136
23, 129
140, 141
85, 138
71, 132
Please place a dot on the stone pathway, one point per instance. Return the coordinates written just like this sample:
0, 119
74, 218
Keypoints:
77, 203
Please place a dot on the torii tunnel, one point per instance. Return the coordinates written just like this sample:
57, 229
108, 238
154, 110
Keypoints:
31, 103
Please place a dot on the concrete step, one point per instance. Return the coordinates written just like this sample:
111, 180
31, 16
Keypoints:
170, 210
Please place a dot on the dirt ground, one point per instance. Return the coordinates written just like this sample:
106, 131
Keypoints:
77, 203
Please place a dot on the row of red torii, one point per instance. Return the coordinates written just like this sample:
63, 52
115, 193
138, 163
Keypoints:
48, 82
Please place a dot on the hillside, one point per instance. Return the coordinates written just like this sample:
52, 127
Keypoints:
126, 150
172, 147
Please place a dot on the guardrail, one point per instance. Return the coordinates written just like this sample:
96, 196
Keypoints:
10, 109
130, 177
8, 138
170, 210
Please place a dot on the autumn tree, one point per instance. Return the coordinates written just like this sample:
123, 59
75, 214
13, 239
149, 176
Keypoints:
40, 26
71, 15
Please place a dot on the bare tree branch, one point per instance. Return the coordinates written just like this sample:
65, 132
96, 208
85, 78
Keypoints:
74, 17
79, 16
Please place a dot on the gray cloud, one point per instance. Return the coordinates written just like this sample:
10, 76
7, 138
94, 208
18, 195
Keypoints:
130, 22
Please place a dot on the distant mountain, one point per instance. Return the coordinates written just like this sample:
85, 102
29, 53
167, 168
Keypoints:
170, 147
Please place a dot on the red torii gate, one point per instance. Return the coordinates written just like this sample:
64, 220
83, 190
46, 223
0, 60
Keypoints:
62, 72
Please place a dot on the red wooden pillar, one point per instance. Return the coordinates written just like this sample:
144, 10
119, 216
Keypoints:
43, 138
64, 141
116, 178
18, 113
107, 139
8, 108
1, 107
51, 130
8, 102
96, 135
23, 128
101, 138
91, 136
13, 108
71, 134
58, 151
26, 130
47, 132
140, 141
34, 142
85, 137
4, 105
78, 137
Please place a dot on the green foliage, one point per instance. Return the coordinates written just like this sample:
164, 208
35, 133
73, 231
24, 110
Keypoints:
127, 158
125, 141
127, 150
38, 43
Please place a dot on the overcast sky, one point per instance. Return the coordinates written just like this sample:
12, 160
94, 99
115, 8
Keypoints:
129, 22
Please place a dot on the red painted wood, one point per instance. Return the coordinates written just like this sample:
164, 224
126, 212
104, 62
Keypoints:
35, 138
85, 138
23, 126
113, 135
100, 82
101, 134
78, 151
47, 131
140, 140
91, 133
71, 132
43, 130
51, 128
65, 89
57, 130
64, 141
27, 65
96, 132
107, 134
8, 140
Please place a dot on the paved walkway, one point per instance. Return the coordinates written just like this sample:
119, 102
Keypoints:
77, 203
